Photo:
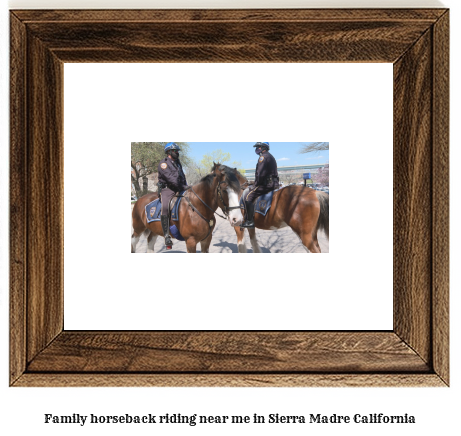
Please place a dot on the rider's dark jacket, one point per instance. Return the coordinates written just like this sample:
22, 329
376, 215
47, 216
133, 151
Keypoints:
266, 177
266, 172
171, 174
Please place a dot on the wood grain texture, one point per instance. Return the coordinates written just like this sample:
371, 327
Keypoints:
414, 354
18, 189
440, 211
190, 15
236, 352
357, 41
413, 196
230, 35
230, 380
45, 199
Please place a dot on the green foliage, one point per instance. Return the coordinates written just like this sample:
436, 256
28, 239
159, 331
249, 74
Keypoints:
205, 165
238, 165
145, 157
207, 161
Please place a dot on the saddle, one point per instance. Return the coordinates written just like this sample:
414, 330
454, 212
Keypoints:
154, 209
262, 204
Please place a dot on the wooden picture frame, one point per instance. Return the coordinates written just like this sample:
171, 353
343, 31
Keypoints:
414, 353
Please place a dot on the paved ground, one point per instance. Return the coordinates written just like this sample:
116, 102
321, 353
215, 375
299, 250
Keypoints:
225, 241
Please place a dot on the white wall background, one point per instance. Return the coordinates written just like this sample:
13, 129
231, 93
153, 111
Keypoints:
350, 105
436, 410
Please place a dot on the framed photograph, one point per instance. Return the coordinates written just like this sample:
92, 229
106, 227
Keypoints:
415, 352
224, 174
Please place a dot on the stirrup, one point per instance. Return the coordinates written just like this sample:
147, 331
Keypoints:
168, 242
248, 225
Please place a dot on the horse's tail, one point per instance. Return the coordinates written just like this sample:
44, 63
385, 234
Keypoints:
324, 219
137, 224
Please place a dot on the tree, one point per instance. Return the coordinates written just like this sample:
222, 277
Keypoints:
205, 165
289, 177
322, 176
192, 172
145, 157
314, 146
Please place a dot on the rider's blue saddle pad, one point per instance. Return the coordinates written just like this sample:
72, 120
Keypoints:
154, 210
263, 203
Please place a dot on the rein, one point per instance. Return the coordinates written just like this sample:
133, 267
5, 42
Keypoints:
225, 208
210, 222
195, 209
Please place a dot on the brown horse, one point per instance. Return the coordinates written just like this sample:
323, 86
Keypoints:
196, 211
303, 209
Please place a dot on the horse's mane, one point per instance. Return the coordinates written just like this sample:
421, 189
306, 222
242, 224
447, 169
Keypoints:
231, 178
207, 179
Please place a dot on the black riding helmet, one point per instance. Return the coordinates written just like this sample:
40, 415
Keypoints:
171, 146
173, 150
262, 145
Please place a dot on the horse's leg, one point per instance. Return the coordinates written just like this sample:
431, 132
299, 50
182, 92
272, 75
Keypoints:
134, 241
191, 245
205, 244
151, 239
137, 230
309, 243
254, 241
240, 240
137, 226
304, 222
316, 242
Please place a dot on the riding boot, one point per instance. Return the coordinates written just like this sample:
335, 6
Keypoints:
166, 231
250, 216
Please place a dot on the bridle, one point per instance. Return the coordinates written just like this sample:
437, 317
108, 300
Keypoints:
225, 209
210, 222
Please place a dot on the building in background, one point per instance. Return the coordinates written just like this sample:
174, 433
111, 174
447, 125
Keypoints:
290, 174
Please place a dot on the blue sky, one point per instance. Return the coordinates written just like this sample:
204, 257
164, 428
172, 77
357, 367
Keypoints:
286, 153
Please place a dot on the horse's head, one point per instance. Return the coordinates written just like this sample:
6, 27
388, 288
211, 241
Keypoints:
229, 193
242, 180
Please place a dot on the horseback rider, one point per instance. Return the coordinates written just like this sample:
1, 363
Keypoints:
171, 180
266, 180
